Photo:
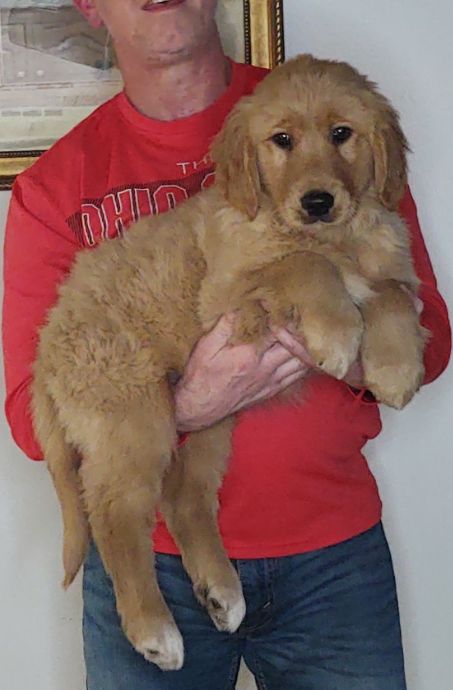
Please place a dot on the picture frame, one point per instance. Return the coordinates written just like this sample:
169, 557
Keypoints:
52, 61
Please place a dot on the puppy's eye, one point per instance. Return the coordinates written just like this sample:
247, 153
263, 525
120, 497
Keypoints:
283, 140
339, 135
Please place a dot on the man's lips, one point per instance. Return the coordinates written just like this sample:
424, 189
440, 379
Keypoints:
160, 5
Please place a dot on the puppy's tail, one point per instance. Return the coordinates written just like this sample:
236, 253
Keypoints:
63, 462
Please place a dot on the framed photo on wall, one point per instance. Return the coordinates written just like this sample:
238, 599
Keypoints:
55, 69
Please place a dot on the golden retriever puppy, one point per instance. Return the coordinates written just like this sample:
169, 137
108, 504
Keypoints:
301, 226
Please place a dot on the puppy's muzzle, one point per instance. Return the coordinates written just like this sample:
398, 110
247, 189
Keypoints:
318, 204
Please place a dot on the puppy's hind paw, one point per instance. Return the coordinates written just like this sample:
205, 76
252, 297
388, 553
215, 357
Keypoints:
225, 606
165, 649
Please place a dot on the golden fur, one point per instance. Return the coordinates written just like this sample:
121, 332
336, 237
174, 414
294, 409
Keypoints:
132, 310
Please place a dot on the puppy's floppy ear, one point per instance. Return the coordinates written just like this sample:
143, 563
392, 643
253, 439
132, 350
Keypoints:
234, 153
390, 165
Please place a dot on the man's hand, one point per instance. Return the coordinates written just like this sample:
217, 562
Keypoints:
221, 379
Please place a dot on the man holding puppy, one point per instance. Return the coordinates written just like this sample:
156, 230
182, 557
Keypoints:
300, 511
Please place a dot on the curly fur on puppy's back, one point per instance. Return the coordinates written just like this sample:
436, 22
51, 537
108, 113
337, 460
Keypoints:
121, 298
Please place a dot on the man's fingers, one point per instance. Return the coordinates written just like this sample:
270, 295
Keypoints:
418, 303
419, 306
292, 344
219, 336
273, 389
275, 356
222, 332
292, 367
289, 380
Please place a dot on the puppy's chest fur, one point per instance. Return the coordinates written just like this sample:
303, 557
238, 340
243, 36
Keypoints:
235, 250
373, 247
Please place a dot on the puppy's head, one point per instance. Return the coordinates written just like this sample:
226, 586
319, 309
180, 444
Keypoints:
313, 139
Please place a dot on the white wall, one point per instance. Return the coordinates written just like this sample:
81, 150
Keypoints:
406, 46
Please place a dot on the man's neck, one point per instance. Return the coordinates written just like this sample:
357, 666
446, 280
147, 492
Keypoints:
182, 88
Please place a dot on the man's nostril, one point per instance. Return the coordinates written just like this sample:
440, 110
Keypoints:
317, 203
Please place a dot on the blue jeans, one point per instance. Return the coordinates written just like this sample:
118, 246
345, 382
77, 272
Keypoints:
324, 620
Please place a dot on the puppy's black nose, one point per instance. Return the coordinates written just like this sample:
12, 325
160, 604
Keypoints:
317, 203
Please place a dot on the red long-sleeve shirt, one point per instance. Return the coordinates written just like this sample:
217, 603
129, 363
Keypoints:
297, 479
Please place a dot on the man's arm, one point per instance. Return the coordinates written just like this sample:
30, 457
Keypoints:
38, 253
434, 315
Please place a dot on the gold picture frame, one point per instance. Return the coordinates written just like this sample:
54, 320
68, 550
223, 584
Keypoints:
264, 32
255, 28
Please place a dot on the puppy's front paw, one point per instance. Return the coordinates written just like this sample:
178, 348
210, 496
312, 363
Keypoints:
392, 358
391, 384
333, 338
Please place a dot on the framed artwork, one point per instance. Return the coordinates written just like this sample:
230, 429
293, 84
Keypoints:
55, 69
